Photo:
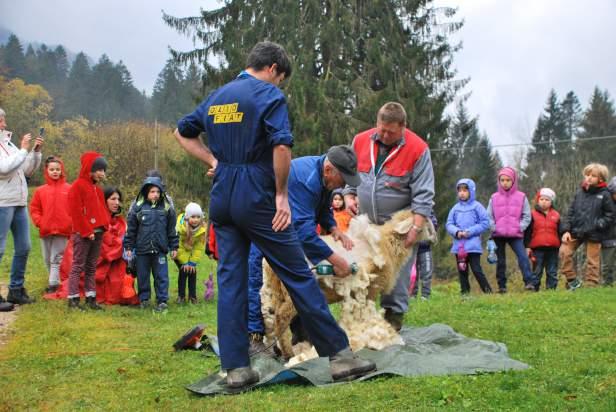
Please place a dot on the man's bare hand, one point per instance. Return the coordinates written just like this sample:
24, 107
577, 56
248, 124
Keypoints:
282, 218
351, 204
346, 241
212, 170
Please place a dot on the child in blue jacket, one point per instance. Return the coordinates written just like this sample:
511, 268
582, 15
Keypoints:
466, 222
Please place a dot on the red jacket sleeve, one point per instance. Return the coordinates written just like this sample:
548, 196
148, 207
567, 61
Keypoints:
36, 208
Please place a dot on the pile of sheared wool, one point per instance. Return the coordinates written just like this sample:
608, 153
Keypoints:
304, 351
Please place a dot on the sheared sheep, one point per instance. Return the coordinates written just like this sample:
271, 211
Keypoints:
380, 254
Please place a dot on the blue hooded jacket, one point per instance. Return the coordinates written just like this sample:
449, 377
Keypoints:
469, 216
151, 227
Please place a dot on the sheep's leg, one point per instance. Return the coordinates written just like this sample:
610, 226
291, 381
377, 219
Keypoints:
284, 314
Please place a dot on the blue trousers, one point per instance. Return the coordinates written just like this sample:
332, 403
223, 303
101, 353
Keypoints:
15, 219
255, 282
156, 263
517, 244
242, 208
547, 258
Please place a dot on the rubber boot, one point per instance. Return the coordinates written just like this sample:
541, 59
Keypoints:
19, 296
394, 319
5, 306
91, 303
345, 365
241, 377
73, 303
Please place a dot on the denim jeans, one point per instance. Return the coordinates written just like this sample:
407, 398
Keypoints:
517, 244
547, 258
155, 263
15, 219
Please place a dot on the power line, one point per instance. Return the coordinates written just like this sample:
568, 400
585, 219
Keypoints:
496, 146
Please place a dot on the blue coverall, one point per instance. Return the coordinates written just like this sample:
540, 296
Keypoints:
310, 204
244, 120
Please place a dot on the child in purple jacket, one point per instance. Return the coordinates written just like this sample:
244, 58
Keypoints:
466, 221
510, 215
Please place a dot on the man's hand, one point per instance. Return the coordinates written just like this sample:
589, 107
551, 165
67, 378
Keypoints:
339, 236
25, 142
38, 144
566, 237
411, 238
282, 218
212, 170
342, 268
351, 204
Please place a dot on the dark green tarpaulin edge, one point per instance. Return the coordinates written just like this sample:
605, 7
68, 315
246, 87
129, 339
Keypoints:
428, 351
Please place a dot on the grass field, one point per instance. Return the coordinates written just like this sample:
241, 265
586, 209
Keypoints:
121, 359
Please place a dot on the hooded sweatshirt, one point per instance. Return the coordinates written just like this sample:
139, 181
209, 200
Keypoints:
49, 207
469, 216
86, 200
509, 210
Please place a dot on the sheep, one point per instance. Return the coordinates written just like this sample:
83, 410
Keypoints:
380, 254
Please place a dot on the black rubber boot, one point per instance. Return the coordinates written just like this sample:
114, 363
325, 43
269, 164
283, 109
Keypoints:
345, 365
73, 303
241, 377
19, 296
394, 319
5, 306
91, 303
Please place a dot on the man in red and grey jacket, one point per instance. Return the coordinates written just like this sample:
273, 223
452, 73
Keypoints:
396, 173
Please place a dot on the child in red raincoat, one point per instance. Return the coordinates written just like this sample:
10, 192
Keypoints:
49, 212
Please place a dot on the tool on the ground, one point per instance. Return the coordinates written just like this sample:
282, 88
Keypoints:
191, 339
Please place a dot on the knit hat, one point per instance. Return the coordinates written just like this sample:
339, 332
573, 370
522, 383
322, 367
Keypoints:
193, 209
99, 164
547, 192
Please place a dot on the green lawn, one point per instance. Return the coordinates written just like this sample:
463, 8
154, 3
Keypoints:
121, 359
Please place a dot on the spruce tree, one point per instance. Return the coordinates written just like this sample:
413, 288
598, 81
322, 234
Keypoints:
78, 97
599, 121
349, 59
13, 59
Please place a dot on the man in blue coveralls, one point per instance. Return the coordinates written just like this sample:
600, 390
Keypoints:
247, 126
311, 181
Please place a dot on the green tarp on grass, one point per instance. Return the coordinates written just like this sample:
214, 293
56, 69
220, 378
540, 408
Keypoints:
432, 350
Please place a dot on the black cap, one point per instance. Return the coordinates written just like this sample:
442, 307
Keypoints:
344, 159
99, 164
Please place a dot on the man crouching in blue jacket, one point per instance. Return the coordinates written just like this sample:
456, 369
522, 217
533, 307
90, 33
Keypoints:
311, 182
151, 234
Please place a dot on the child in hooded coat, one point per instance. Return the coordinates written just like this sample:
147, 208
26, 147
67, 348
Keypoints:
466, 221
509, 213
151, 235
49, 210
192, 232
90, 220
